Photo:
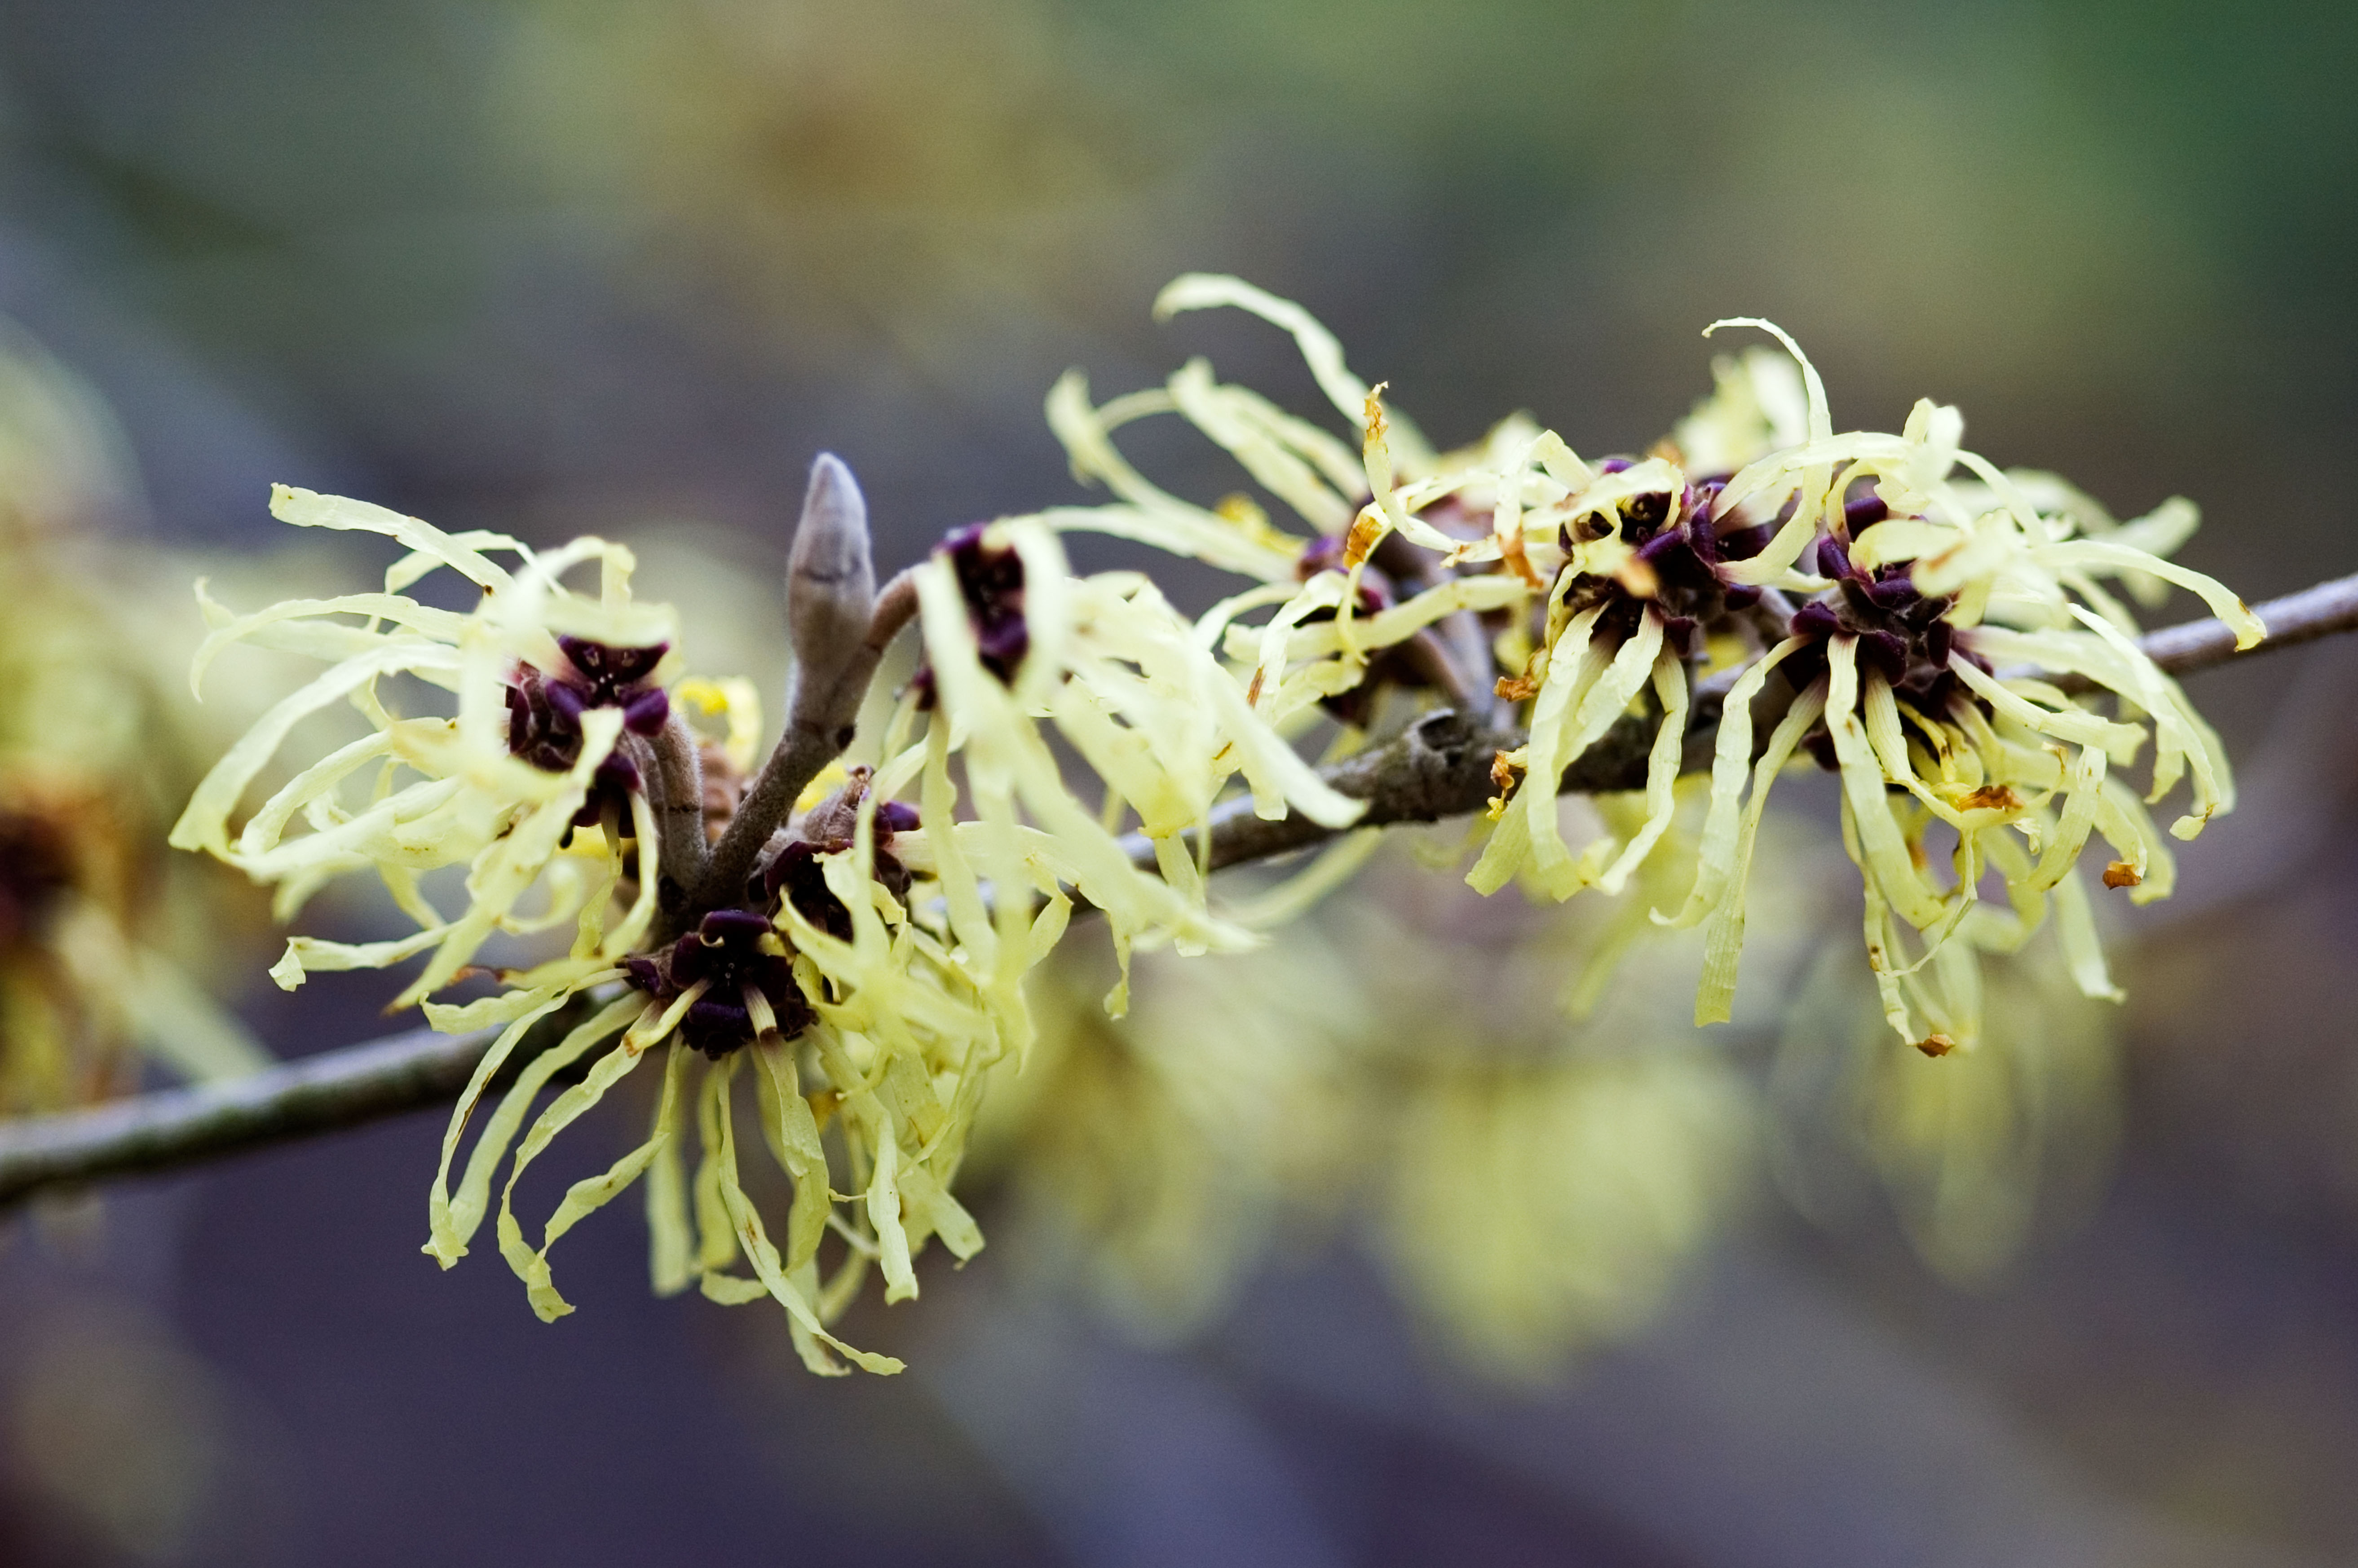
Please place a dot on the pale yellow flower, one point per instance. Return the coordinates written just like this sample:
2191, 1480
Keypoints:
498, 786
841, 993
1012, 639
1923, 688
1614, 585
1539, 1208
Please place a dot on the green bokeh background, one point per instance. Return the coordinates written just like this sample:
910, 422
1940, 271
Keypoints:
593, 266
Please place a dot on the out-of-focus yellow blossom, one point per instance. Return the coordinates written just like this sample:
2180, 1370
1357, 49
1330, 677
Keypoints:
1535, 1184
95, 942
63, 463
1974, 1152
80, 985
1157, 1155
1558, 1141
1539, 1208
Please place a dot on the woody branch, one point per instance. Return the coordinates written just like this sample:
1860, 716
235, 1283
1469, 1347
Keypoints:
1438, 768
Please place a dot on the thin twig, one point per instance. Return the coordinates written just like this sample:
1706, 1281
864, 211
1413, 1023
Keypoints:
1463, 646
1439, 767
819, 726
326, 1093
675, 786
802, 753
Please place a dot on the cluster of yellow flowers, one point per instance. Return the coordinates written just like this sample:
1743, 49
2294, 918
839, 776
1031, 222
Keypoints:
1911, 626
1940, 601
870, 969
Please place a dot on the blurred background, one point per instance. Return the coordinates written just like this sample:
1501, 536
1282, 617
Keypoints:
599, 267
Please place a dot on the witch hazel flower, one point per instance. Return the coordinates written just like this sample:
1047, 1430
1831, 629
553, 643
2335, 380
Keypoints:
1355, 611
1908, 615
546, 707
1922, 674
1643, 573
1015, 645
792, 935
856, 955
1350, 690
839, 1007
1604, 580
555, 694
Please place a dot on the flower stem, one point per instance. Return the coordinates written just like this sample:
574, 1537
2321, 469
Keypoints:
326, 1093
819, 726
1439, 767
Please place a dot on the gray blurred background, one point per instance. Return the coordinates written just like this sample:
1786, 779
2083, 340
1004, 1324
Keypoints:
599, 267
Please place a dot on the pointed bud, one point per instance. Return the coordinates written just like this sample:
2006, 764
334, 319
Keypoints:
831, 578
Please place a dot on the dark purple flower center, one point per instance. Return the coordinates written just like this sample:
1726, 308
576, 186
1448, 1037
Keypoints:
725, 950
794, 876
1676, 570
544, 708
35, 865
726, 946
991, 579
1902, 634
